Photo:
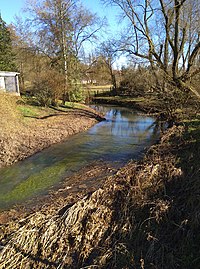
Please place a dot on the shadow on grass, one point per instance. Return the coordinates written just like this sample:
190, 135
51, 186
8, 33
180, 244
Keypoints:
72, 111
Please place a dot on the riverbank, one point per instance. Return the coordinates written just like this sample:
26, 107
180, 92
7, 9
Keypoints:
146, 215
124, 135
152, 105
26, 129
148, 105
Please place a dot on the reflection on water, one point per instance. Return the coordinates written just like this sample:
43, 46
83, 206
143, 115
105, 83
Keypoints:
123, 136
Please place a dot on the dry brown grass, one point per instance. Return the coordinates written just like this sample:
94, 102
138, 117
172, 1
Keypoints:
117, 226
9, 113
21, 137
145, 216
10, 127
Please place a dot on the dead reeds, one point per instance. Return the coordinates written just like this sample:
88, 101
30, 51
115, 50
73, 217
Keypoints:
134, 221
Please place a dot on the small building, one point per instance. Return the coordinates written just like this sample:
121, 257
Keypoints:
9, 82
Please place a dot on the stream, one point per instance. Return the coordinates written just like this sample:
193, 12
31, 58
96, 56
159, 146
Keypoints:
124, 135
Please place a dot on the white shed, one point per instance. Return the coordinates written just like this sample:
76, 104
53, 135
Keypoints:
9, 82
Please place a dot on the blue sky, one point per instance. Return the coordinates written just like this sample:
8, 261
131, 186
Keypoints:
10, 8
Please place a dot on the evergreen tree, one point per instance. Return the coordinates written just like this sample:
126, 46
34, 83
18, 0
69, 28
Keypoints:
6, 54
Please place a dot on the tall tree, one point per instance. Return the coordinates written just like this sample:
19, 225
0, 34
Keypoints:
165, 33
6, 53
108, 52
59, 29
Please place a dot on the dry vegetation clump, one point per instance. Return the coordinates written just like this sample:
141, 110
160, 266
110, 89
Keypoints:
140, 218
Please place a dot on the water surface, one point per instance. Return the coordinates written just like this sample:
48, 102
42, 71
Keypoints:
123, 136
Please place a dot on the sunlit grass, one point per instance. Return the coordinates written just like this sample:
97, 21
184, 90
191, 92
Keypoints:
28, 111
74, 105
34, 111
100, 87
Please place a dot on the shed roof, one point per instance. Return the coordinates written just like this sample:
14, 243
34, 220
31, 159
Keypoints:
8, 74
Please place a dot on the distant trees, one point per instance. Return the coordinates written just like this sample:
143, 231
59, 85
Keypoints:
136, 80
162, 34
166, 34
108, 53
58, 30
95, 71
6, 52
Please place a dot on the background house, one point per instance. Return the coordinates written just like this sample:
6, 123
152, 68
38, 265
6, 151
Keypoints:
9, 82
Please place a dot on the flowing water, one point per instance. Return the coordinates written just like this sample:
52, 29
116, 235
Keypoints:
123, 136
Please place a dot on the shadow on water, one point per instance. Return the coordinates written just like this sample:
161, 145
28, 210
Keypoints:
123, 136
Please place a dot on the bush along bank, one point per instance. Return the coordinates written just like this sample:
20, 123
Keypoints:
144, 216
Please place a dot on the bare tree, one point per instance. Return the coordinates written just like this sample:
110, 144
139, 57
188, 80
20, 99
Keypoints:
164, 32
108, 53
59, 29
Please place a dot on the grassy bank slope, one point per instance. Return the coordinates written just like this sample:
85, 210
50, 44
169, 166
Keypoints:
26, 129
145, 216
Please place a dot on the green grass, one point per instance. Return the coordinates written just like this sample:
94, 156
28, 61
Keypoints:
28, 111
74, 105
34, 111
93, 90
100, 87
